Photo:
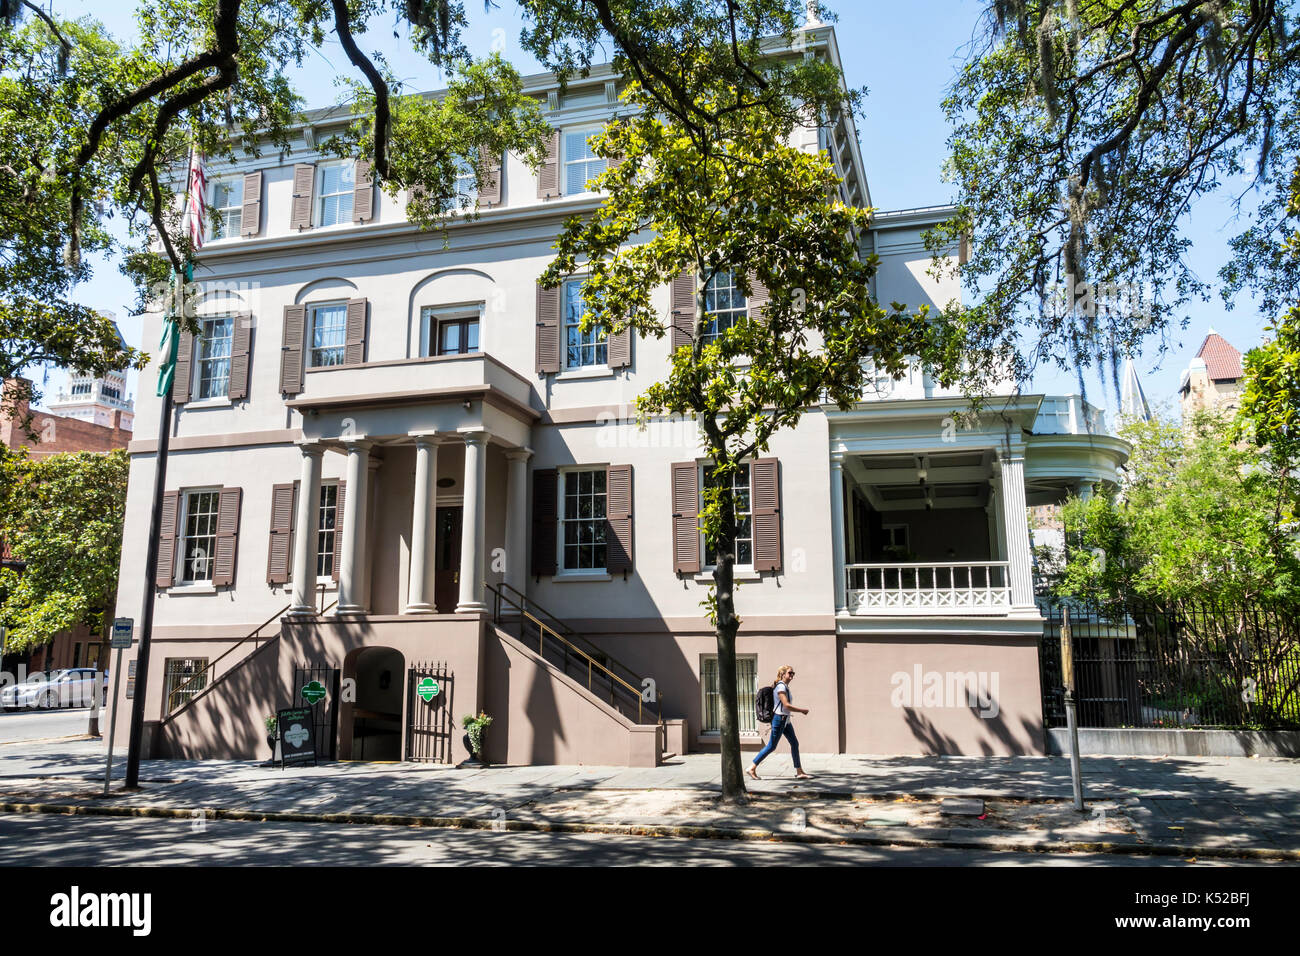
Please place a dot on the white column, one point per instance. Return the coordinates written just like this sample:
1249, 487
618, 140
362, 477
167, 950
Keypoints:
837, 531
370, 547
352, 565
473, 532
517, 517
1015, 525
423, 529
304, 542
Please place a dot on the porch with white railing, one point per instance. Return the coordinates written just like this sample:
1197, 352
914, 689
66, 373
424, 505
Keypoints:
964, 587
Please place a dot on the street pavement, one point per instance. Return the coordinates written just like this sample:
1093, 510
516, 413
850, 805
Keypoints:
1203, 806
44, 840
17, 726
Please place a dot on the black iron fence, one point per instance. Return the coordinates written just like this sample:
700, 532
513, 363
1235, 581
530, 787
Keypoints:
1185, 665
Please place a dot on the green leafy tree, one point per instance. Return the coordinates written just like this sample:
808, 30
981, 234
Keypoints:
1200, 517
1084, 130
61, 517
734, 196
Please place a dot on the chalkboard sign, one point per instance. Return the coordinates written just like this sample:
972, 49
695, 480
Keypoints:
297, 744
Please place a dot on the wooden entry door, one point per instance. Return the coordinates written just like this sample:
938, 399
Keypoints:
446, 568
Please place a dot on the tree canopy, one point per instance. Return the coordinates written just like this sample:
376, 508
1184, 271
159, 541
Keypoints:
1084, 130
61, 517
1200, 516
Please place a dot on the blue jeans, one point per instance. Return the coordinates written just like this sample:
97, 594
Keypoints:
781, 726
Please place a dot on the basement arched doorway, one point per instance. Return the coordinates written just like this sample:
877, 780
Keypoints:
376, 714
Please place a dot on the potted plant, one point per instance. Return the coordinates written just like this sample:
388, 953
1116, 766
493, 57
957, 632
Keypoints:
271, 734
476, 729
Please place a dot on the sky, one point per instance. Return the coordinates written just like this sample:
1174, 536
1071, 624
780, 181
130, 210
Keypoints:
905, 54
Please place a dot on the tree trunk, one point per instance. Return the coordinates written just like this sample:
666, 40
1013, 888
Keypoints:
725, 628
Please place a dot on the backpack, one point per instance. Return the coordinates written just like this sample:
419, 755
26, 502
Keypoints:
765, 704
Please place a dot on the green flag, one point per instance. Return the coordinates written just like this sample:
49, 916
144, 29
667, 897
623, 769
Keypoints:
171, 336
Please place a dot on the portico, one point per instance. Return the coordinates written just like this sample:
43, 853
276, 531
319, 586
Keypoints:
429, 476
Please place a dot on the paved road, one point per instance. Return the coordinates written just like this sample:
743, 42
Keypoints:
20, 725
38, 839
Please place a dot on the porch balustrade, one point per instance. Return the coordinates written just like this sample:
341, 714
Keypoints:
928, 587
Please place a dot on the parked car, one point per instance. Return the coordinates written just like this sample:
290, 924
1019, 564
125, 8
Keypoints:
70, 687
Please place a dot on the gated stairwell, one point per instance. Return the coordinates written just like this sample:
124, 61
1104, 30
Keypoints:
614, 685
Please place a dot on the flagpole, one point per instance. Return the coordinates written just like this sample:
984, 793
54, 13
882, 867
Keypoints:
136, 734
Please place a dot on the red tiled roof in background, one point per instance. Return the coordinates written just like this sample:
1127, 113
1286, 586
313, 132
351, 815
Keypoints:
1222, 361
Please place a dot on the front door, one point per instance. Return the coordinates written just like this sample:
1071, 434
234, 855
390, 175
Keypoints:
446, 573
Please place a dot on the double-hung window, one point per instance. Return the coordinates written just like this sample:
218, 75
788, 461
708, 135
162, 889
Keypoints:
746, 687
199, 530
326, 519
582, 520
228, 201
580, 163
466, 182
328, 328
581, 348
724, 303
744, 527
338, 183
213, 363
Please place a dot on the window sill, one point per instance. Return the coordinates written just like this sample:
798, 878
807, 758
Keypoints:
743, 575
587, 371
564, 576
181, 590
210, 403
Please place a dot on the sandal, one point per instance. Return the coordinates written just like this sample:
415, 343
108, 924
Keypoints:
752, 771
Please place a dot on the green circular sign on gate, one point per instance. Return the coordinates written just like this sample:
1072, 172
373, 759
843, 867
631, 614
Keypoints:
428, 689
314, 692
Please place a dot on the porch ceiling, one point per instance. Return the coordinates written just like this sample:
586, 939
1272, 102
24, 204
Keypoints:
894, 482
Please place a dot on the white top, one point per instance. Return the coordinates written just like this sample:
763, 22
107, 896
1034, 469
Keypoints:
780, 710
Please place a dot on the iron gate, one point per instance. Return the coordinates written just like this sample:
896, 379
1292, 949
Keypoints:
325, 712
429, 727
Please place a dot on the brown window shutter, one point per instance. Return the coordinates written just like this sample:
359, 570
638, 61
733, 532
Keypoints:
548, 329
223, 565
251, 215
241, 344
758, 296
548, 175
304, 185
619, 350
354, 351
291, 352
363, 193
683, 309
765, 511
167, 530
545, 516
489, 191
184, 372
618, 519
279, 560
686, 517
338, 528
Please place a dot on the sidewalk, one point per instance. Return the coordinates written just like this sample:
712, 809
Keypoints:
1175, 805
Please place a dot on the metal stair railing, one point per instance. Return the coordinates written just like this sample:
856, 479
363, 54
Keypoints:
559, 644
174, 709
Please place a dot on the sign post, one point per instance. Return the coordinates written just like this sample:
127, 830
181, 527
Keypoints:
1071, 719
123, 631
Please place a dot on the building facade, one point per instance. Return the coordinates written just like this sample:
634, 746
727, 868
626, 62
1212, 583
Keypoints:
1212, 379
397, 461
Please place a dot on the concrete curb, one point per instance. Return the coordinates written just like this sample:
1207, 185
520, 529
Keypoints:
892, 836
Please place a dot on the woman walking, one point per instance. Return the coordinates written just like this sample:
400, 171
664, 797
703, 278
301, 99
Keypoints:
781, 712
